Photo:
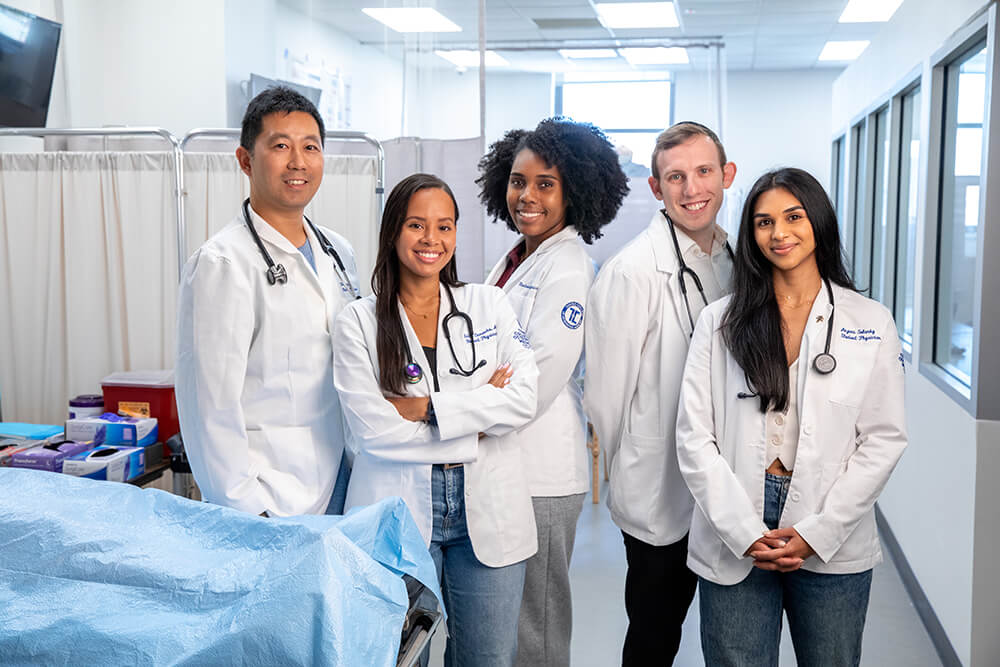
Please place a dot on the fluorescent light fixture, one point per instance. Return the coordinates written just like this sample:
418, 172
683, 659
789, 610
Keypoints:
460, 58
637, 14
574, 54
656, 55
842, 50
869, 11
412, 19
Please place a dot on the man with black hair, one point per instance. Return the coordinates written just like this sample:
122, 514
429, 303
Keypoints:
643, 307
259, 413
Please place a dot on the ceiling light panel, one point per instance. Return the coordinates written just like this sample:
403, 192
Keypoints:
637, 14
461, 58
579, 54
657, 55
842, 51
412, 19
869, 11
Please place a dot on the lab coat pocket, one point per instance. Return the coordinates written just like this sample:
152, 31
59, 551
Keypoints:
638, 475
292, 451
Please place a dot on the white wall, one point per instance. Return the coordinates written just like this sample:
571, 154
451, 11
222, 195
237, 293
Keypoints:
941, 501
125, 62
132, 63
773, 119
917, 29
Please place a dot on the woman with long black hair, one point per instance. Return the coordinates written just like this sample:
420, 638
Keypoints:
432, 373
790, 422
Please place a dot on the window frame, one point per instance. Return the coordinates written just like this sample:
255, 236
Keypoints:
668, 78
912, 83
981, 397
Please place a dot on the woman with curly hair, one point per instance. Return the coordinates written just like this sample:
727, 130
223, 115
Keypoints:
552, 184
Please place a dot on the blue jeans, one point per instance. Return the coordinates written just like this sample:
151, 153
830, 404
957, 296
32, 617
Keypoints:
483, 602
741, 624
339, 496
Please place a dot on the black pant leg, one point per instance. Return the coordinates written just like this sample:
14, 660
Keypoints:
659, 588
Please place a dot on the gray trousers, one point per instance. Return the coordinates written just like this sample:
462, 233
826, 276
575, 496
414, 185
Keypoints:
546, 621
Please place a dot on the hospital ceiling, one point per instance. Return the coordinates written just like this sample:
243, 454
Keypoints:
757, 34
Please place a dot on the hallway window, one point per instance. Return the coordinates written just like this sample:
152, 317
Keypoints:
631, 112
838, 168
906, 215
881, 275
959, 212
859, 244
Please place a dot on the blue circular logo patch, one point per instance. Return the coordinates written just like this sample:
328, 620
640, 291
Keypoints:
572, 315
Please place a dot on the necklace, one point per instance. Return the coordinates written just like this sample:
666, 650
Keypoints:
414, 312
786, 301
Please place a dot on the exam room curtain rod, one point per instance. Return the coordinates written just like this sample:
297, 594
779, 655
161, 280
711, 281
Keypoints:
555, 45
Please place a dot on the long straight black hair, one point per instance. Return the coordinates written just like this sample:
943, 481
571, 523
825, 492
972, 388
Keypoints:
751, 325
390, 339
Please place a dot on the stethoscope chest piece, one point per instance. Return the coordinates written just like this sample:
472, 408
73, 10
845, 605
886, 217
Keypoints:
277, 275
413, 373
824, 363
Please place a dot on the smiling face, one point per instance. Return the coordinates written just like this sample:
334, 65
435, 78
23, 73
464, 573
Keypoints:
691, 183
783, 231
426, 242
286, 165
535, 197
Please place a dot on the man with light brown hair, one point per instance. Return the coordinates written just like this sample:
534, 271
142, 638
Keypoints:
643, 307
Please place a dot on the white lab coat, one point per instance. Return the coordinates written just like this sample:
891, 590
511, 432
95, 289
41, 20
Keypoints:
851, 434
255, 396
548, 292
637, 339
395, 456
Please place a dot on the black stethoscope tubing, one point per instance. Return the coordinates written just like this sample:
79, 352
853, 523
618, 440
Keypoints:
684, 269
276, 273
413, 373
824, 363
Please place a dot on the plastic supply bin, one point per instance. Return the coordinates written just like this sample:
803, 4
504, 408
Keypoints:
144, 393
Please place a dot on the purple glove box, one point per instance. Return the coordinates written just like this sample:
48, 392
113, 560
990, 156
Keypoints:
49, 457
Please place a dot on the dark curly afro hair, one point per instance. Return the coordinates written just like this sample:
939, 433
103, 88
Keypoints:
593, 182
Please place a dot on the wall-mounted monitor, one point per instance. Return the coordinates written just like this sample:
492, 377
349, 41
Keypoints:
28, 46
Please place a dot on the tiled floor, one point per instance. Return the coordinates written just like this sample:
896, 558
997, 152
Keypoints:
894, 634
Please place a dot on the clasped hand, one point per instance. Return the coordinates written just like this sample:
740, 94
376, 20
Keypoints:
781, 550
414, 408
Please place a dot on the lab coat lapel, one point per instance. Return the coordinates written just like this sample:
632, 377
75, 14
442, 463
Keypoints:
426, 384
813, 340
283, 252
564, 234
326, 278
666, 262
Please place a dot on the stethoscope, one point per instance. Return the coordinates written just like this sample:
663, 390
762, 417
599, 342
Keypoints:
276, 273
824, 363
684, 269
414, 374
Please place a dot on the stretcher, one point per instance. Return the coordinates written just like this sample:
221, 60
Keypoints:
96, 572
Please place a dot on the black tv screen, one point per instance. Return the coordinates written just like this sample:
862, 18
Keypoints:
28, 46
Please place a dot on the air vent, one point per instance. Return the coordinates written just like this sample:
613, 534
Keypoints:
567, 24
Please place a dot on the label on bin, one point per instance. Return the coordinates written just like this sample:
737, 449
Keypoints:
139, 409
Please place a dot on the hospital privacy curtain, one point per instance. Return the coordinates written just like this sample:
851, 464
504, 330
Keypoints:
88, 269
215, 187
88, 276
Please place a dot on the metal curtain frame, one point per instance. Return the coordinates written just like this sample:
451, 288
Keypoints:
339, 135
175, 145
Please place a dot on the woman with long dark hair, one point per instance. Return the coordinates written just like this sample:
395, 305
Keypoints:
791, 421
432, 374
555, 185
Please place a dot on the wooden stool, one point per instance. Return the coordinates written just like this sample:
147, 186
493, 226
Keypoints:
595, 453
